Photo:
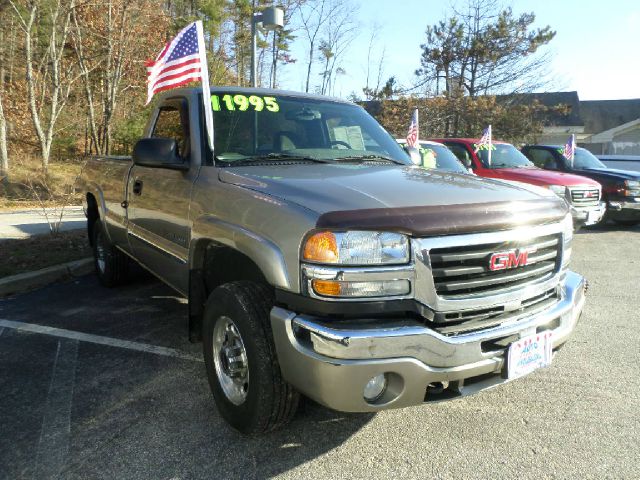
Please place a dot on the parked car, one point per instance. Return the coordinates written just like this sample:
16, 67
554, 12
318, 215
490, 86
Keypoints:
623, 162
317, 260
507, 163
620, 188
437, 156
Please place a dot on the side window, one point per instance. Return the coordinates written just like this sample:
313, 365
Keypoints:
542, 158
172, 122
461, 152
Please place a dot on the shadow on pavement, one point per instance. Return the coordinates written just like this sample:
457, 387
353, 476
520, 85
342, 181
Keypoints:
131, 414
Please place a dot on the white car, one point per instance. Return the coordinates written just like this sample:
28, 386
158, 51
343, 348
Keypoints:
437, 156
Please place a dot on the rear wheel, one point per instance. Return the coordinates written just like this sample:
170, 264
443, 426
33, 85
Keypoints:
110, 263
241, 362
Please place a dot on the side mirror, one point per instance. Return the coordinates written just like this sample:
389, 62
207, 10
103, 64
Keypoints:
466, 161
414, 155
158, 153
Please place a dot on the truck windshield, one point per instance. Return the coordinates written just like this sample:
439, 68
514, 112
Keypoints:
504, 155
270, 128
440, 157
583, 159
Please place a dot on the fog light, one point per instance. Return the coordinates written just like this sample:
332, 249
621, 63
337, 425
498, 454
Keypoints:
375, 388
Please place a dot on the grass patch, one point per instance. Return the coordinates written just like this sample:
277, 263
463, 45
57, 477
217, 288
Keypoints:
20, 256
27, 186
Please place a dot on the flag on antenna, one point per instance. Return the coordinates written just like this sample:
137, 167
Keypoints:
183, 60
412, 135
569, 150
485, 143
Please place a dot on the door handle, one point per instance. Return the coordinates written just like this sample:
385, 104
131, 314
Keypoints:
137, 187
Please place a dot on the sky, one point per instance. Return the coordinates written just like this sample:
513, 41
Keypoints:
596, 50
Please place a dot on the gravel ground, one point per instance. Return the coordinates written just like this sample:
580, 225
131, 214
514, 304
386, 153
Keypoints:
80, 406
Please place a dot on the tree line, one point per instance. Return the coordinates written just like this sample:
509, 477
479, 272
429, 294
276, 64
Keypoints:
72, 76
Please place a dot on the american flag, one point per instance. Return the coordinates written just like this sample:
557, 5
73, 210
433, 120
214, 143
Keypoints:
485, 140
183, 60
412, 135
569, 149
179, 63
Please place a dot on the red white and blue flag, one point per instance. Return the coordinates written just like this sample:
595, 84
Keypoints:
569, 150
183, 60
485, 143
412, 135
485, 140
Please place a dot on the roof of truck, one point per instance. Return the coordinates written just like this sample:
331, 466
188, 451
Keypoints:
252, 91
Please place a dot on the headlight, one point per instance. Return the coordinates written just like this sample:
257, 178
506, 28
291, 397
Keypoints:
632, 183
357, 248
559, 190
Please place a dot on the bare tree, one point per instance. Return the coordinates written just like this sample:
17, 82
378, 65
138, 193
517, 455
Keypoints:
313, 16
4, 155
373, 91
106, 37
338, 31
49, 85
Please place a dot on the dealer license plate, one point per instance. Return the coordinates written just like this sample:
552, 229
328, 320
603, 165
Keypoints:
529, 354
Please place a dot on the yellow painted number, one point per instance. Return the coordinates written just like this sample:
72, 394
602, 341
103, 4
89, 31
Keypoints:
244, 103
272, 104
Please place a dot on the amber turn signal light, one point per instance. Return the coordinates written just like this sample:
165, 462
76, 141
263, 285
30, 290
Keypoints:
321, 247
329, 288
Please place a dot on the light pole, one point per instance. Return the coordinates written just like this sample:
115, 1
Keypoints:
271, 18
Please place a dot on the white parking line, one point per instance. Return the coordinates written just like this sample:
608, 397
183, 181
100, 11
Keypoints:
98, 339
53, 446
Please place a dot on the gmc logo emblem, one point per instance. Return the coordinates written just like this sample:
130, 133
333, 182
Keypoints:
510, 259
589, 194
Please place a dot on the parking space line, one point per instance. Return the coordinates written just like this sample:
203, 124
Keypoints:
53, 446
98, 339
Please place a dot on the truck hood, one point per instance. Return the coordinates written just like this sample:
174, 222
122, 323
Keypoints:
611, 175
408, 198
538, 176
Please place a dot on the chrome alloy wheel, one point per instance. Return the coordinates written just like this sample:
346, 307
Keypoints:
101, 253
230, 360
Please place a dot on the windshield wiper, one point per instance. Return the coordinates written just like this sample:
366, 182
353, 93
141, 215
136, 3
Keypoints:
272, 157
369, 157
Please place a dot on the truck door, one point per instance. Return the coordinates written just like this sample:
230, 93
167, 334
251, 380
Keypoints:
159, 228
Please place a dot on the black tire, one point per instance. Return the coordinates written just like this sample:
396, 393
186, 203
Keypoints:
269, 401
627, 223
111, 264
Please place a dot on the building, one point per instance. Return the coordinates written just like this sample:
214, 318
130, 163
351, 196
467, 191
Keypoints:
602, 126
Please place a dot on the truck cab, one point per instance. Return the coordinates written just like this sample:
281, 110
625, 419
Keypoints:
507, 163
620, 188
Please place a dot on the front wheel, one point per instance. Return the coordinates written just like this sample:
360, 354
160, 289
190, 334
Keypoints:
241, 362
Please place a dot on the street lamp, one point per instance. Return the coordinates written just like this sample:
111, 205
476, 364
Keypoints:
271, 18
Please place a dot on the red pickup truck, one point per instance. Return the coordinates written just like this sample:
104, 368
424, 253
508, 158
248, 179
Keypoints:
507, 163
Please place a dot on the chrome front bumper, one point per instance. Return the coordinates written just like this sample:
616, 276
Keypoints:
588, 215
331, 362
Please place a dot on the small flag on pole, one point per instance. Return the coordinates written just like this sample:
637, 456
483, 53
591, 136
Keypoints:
183, 60
412, 135
569, 150
485, 143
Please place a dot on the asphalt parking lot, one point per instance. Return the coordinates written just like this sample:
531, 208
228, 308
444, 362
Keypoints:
98, 383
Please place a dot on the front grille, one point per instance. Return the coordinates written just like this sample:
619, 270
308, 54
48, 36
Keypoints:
469, 321
585, 196
464, 270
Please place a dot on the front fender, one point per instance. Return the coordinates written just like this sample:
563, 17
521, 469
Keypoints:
266, 254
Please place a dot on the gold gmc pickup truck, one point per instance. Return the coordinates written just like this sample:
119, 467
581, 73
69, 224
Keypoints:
318, 260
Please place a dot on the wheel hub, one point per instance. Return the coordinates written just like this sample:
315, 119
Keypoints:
230, 360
